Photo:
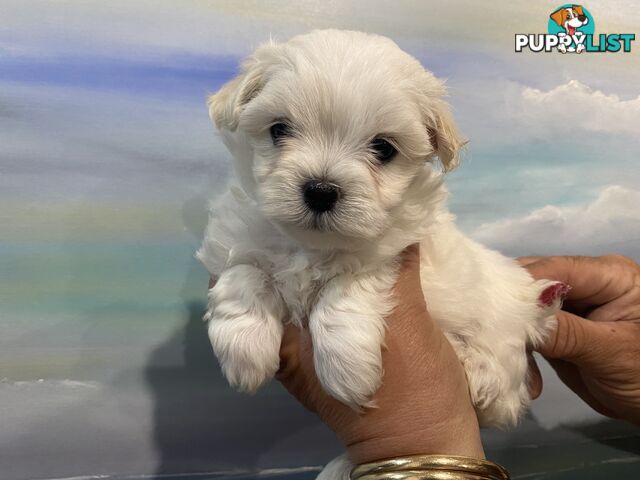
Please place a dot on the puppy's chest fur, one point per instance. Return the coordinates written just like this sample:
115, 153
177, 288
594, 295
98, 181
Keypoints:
298, 277
237, 233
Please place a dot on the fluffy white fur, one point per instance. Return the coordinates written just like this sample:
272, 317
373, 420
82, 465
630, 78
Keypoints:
277, 261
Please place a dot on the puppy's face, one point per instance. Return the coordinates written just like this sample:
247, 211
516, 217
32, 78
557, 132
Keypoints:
333, 127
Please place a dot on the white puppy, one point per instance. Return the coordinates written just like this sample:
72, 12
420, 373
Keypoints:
333, 135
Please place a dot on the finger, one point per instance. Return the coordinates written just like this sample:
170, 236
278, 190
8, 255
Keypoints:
571, 377
534, 378
625, 307
575, 339
408, 289
296, 372
410, 267
524, 261
555, 268
594, 281
289, 351
561, 268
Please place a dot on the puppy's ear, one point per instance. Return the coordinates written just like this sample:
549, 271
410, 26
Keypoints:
446, 139
226, 105
558, 17
578, 9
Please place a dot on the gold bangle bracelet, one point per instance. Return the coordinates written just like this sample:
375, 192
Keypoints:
436, 467
420, 475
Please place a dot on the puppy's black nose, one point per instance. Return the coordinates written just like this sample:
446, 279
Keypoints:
582, 18
320, 196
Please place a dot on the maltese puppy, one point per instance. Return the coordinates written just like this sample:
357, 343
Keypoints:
335, 135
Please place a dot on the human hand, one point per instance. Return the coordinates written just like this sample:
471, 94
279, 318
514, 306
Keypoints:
423, 406
595, 349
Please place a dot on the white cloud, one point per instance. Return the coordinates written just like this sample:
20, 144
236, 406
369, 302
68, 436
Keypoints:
573, 105
609, 224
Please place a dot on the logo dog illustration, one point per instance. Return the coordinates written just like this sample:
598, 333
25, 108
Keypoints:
571, 18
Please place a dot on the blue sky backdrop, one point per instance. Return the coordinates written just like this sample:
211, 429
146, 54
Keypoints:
107, 159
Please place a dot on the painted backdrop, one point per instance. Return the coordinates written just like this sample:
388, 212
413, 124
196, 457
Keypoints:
107, 159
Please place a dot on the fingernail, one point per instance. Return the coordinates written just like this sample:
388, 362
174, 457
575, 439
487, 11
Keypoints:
557, 291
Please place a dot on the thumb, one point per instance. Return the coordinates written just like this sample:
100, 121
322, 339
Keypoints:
575, 339
410, 267
407, 286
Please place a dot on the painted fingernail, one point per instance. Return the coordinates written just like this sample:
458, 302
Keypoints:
557, 291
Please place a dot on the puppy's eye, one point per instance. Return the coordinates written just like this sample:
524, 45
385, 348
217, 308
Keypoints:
382, 149
279, 131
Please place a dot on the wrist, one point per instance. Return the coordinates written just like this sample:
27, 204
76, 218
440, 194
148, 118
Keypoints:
457, 436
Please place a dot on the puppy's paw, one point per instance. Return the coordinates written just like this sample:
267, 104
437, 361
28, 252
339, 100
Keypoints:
505, 411
498, 391
350, 376
347, 330
347, 356
247, 348
245, 327
483, 379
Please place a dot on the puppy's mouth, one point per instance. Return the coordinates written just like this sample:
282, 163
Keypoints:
314, 224
319, 222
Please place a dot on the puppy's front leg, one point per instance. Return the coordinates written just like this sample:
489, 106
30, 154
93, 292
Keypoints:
347, 329
245, 326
